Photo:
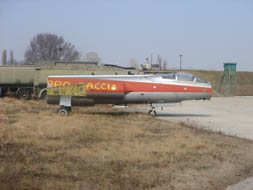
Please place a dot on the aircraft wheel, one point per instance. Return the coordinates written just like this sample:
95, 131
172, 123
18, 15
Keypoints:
63, 111
69, 109
152, 112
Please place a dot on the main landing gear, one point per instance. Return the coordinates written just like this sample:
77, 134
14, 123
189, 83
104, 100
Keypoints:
65, 105
152, 111
63, 110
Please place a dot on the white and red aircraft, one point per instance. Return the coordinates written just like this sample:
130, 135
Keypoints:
130, 89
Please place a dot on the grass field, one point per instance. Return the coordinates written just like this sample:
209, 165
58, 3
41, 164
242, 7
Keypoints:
101, 148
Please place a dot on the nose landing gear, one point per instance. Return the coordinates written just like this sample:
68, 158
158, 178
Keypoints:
152, 111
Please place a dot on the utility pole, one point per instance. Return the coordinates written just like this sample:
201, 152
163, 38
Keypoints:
180, 59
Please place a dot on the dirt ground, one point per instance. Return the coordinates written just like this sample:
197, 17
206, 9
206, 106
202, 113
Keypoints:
104, 148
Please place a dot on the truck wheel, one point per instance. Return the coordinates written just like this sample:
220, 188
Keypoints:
24, 94
3, 92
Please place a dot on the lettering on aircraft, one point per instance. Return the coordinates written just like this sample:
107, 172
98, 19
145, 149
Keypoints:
90, 85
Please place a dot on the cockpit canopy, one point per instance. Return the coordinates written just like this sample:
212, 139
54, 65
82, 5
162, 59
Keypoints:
184, 77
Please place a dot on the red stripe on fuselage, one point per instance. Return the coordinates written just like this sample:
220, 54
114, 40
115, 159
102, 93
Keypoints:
114, 86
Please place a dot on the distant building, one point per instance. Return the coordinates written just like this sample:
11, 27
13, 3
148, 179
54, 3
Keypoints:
149, 66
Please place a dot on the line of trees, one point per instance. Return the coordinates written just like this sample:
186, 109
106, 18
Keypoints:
49, 47
11, 60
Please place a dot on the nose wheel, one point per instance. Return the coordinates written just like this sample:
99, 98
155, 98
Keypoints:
152, 111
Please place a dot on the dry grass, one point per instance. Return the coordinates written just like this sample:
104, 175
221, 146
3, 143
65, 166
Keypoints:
100, 148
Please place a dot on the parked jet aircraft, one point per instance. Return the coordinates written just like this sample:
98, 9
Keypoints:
126, 89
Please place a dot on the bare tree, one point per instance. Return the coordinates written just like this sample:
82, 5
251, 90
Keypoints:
93, 57
4, 57
11, 58
50, 47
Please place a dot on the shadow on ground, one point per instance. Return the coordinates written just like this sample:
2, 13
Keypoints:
182, 115
109, 113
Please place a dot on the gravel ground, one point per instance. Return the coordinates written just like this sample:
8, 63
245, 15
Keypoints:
230, 115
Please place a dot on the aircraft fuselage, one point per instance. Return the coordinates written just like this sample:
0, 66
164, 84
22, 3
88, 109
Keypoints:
137, 89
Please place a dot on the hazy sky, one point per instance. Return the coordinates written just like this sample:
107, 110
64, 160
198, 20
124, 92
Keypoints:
206, 32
